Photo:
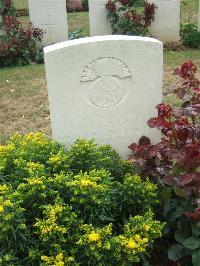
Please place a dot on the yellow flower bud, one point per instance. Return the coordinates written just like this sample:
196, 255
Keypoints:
93, 237
131, 244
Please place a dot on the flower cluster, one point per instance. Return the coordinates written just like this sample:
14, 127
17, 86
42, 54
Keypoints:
126, 16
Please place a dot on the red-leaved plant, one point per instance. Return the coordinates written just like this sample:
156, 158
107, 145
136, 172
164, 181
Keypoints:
126, 18
175, 162
74, 5
18, 45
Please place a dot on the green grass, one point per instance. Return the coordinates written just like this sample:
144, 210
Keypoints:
21, 4
189, 10
176, 58
23, 104
79, 20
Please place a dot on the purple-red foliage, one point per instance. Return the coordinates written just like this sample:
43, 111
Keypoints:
74, 5
149, 12
19, 43
125, 9
110, 6
176, 158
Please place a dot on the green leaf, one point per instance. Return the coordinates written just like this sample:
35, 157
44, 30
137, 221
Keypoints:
196, 258
175, 252
192, 243
144, 260
180, 236
195, 229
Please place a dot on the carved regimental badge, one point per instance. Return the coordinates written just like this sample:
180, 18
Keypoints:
105, 82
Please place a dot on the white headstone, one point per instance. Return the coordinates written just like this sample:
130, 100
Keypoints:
104, 88
2, 31
166, 24
99, 23
51, 16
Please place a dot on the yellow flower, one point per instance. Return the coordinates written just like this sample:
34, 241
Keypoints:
93, 237
85, 183
59, 257
131, 244
6, 149
45, 230
35, 181
146, 227
3, 189
59, 260
137, 238
60, 263
145, 240
8, 203
150, 186
1, 208
54, 159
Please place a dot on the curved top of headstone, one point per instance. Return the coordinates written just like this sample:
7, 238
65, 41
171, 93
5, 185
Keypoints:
104, 88
98, 39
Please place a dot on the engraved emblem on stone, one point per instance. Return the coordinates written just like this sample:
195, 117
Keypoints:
105, 82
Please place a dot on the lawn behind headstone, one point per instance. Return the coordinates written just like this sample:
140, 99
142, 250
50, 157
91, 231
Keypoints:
24, 104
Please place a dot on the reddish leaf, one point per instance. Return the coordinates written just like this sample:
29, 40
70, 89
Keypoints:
190, 178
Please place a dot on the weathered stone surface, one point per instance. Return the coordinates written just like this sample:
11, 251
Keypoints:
51, 16
99, 23
166, 25
2, 32
104, 88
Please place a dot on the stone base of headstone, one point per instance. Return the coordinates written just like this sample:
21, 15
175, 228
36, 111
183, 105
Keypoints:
99, 23
51, 16
166, 24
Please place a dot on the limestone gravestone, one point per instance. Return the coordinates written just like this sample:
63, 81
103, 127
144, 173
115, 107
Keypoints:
166, 24
104, 88
2, 31
99, 24
51, 16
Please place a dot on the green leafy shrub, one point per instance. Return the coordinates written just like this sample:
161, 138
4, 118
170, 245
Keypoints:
190, 35
85, 5
76, 34
187, 28
192, 40
78, 207
18, 44
130, 17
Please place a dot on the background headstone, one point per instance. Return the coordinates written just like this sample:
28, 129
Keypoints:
104, 88
166, 24
51, 16
99, 23
2, 31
